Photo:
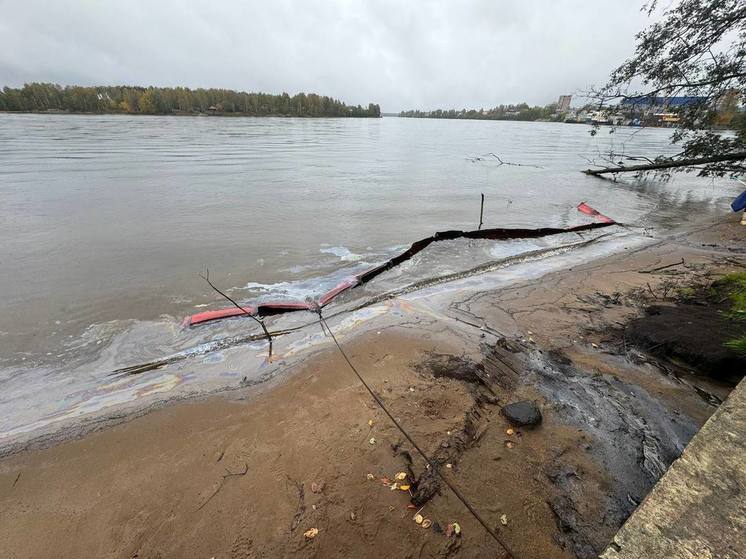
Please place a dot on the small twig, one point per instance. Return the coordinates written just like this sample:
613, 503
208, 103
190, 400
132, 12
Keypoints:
17, 478
222, 482
206, 277
659, 268
301, 504
651, 290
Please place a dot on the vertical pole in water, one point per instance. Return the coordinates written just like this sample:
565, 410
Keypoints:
481, 213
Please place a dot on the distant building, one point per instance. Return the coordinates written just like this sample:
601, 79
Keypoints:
649, 101
563, 105
656, 111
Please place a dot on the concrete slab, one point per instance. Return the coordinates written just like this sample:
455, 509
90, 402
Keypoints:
698, 508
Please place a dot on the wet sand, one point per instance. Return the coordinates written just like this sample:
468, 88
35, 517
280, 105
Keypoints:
245, 474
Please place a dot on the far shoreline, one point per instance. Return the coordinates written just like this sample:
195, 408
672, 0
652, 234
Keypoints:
226, 115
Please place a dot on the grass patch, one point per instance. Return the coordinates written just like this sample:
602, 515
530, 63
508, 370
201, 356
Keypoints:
736, 286
739, 344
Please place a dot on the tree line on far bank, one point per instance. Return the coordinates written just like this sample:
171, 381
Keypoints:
48, 97
520, 111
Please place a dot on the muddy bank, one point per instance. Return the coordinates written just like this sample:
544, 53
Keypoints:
693, 327
248, 474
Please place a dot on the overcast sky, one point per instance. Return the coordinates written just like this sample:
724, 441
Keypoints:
401, 54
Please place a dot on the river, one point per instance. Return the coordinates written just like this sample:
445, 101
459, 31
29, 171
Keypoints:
107, 221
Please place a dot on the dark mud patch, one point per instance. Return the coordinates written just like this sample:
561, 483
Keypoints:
693, 331
442, 365
630, 434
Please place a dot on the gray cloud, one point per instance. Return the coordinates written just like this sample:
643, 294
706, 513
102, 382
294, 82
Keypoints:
413, 54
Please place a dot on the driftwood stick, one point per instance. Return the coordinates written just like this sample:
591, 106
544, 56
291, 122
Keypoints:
659, 268
668, 164
481, 213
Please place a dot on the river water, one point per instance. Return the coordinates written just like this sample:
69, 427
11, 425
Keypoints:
107, 221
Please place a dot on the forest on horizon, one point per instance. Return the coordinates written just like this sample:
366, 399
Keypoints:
49, 97
521, 111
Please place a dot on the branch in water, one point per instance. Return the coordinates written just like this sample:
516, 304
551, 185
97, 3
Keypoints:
500, 162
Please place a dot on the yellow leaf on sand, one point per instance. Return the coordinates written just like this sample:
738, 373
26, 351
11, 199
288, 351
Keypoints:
370, 423
400, 476
372, 440
418, 518
312, 533
404, 487
456, 528
371, 477
427, 523
504, 520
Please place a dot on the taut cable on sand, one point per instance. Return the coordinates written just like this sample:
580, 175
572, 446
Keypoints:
433, 466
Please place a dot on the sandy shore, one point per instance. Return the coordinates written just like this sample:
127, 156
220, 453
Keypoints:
245, 474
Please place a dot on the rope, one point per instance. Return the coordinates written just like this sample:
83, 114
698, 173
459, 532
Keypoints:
433, 465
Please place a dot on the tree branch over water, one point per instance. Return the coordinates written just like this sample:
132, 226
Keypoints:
695, 52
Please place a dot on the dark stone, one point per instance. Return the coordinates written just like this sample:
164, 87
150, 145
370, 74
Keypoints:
522, 413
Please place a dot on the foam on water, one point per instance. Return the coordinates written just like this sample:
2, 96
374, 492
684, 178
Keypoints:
343, 253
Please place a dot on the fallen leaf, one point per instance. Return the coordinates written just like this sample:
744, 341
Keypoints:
372, 440
371, 477
509, 444
426, 523
418, 518
394, 486
400, 476
370, 423
456, 528
510, 432
504, 520
404, 487
312, 533
449, 466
